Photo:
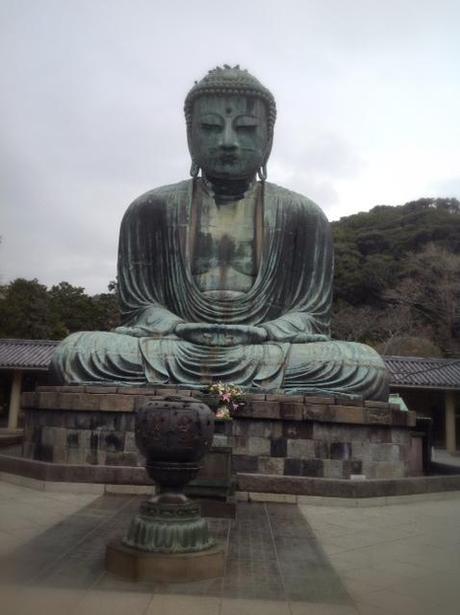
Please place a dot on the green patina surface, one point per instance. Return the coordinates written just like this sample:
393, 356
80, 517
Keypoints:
225, 276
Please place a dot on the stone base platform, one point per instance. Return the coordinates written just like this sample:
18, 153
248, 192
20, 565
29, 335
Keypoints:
138, 565
272, 434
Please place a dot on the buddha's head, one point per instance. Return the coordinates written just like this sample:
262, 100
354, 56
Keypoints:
230, 117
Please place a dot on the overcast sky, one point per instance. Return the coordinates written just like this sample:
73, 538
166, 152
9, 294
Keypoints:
368, 96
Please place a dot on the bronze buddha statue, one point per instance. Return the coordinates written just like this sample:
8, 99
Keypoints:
225, 276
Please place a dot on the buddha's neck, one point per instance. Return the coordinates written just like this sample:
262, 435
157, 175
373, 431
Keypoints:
228, 190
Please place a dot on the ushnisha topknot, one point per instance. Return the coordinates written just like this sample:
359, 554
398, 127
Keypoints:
230, 80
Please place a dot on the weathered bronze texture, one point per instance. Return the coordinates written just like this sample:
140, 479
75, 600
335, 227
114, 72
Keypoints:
173, 434
224, 277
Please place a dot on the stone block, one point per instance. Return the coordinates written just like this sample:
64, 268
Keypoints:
340, 450
290, 410
72, 439
123, 421
82, 420
312, 467
263, 409
28, 450
322, 449
117, 403
345, 400
240, 445
279, 498
361, 450
48, 399
349, 414
257, 397
130, 442
400, 436
55, 437
240, 427
332, 468
261, 429
120, 459
141, 401
148, 567
379, 435
292, 467
332, 432
352, 466
87, 402
59, 454
398, 417
220, 440
377, 415
277, 395
69, 401
244, 463
300, 448
385, 452
76, 456
319, 399
377, 404
319, 412
278, 447
297, 429
388, 470
270, 465
111, 441
98, 389
258, 446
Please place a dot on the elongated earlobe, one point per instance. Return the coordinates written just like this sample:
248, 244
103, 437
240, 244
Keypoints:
194, 169
262, 173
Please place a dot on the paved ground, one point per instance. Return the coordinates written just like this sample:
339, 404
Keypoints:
442, 456
282, 559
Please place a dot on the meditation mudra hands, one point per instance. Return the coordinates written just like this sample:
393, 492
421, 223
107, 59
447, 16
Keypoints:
214, 334
220, 335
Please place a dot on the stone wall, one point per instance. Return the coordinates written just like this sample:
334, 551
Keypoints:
272, 434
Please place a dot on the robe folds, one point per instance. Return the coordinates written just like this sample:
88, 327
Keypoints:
290, 298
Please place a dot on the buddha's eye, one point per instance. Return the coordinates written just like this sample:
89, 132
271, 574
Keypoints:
246, 124
246, 128
210, 128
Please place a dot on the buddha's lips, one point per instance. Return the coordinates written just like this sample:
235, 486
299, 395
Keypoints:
228, 158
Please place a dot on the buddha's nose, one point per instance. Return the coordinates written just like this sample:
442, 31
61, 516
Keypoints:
229, 140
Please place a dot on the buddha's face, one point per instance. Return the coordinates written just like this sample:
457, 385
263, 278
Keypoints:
229, 136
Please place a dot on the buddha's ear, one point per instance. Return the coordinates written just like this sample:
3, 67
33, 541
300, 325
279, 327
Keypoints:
268, 147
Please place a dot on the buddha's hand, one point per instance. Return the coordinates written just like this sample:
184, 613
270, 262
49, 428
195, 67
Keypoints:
307, 338
220, 335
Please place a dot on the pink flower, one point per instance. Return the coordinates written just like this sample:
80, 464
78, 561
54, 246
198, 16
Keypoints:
226, 397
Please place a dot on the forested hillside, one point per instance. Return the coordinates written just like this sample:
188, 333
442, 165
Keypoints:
397, 285
397, 277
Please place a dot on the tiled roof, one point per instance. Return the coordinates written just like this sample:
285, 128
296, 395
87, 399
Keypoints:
26, 354
430, 373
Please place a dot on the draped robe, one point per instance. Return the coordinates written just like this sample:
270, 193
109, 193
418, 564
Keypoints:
290, 298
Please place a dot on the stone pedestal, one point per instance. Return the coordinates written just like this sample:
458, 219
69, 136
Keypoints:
312, 436
136, 565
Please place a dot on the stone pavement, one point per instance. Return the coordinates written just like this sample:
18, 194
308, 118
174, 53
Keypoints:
282, 559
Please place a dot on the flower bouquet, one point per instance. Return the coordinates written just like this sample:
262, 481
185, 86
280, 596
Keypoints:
230, 398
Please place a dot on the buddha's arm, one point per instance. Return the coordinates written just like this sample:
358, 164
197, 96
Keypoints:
143, 269
296, 328
304, 275
153, 321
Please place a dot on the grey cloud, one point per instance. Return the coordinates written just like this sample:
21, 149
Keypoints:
92, 94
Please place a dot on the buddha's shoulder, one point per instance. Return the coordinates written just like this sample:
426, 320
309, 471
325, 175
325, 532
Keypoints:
289, 198
161, 196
